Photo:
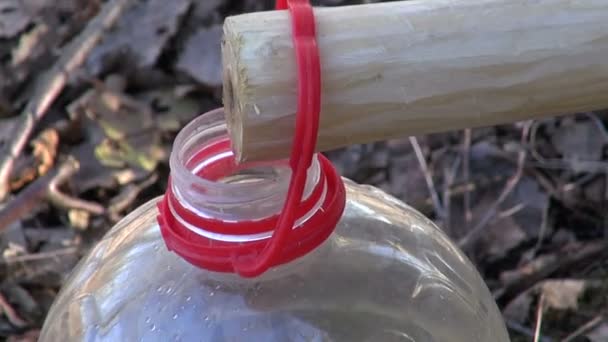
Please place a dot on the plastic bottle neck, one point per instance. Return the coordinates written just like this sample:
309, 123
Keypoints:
210, 185
217, 214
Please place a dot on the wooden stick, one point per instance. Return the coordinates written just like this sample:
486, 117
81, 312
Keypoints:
413, 67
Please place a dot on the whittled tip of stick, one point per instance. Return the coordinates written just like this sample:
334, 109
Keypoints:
248, 119
234, 117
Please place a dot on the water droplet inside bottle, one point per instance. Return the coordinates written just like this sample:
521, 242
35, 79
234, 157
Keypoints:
156, 247
211, 294
188, 298
159, 289
175, 316
153, 327
206, 318
169, 289
148, 319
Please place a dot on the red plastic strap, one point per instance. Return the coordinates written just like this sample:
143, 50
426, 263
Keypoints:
305, 138
216, 255
281, 5
179, 226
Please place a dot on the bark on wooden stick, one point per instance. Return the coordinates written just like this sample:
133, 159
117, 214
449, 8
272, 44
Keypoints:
412, 67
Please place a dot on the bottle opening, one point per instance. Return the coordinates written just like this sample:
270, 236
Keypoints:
215, 209
206, 180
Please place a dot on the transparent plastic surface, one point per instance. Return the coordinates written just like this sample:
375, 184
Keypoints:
386, 274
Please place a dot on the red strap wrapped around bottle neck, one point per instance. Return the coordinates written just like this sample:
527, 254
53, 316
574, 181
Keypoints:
181, 228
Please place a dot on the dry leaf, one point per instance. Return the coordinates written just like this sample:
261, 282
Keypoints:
579, 143
502, 233
79, 219
599, 334
7, 127
202, 56
45, 149
21, 297
31, 45
91, 174
528, 201
518, 309
563, 294
559, 294
520, 215
140, 35
29, 336
203, 9
14, 17
173, 108
486, 160
13, 241
121, 133
61, 236
406, 180
94, 173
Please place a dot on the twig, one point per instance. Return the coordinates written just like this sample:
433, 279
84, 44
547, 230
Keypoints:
605, 204
11, 313
28, 336
46, 186
427, 176
526, 276
466, 170
62, 200
543, 228
539, 316
473, 234
41, 256
449, 176
52, 83
547, 184
598, 123
561, 164
459, 189
584, 328
517, 327
128, 196
511, 211
27, 200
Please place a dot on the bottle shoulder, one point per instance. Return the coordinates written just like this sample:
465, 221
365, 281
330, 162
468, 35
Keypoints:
385, 268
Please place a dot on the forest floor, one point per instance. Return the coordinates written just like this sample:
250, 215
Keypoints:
92, 94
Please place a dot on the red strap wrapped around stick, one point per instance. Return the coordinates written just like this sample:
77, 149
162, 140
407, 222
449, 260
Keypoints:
305, 138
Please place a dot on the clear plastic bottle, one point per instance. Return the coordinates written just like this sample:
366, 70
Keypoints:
386, 273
